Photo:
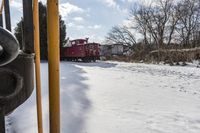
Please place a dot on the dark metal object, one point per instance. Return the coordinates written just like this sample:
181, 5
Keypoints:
9, 47
11, 86
7, 14
28, 46
2, 123
19, 81
16, 69
1, 20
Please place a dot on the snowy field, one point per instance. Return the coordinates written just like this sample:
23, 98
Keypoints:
113, 97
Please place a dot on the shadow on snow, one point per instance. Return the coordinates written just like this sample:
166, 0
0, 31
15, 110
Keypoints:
74, 103
101, 64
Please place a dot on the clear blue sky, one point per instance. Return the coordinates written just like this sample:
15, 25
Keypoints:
86, 18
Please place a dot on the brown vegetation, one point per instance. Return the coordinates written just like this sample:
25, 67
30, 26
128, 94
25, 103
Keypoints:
175, 55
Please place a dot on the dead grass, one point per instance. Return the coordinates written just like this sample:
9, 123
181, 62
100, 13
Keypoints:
175, 55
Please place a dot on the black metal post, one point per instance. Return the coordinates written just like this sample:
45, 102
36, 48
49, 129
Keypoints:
2, 123
1, 20
7, 14
28, 40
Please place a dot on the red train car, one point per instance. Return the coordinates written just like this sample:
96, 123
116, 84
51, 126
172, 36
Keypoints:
80, 49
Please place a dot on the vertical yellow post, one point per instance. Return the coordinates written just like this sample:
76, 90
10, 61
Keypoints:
1, 7
37, 64
53, 60
1, 15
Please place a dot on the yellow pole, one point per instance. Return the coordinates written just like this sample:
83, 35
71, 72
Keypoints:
53, 60
37, 64
2, 5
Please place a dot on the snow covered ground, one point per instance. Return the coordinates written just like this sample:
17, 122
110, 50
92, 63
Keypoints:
113, 97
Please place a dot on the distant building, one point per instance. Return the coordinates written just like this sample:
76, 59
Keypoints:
117, 49
114, 49
105, 50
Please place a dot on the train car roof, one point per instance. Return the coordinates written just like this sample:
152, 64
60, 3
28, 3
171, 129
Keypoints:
93, 43
78, 40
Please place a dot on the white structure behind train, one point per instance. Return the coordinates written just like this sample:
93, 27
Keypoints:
114, 49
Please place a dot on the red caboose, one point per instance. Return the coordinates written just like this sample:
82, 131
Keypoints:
80, 49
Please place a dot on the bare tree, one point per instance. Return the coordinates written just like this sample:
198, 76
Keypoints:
121, 35
161, 24
138, 17
172, 24
160, 19
189, 14
154, 21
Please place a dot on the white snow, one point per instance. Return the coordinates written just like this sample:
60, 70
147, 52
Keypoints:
115, 97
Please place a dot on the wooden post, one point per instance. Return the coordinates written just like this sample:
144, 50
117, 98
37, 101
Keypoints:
53, 60
37, 64
7, 14
1, 15
28, 40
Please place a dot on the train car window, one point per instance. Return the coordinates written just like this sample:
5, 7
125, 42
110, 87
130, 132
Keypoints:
73, 43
